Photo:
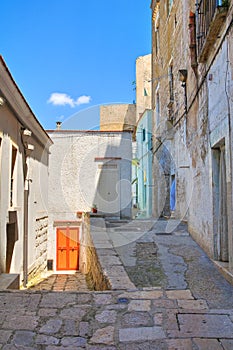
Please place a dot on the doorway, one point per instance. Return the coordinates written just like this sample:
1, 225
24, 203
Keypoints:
220, 218
68, 249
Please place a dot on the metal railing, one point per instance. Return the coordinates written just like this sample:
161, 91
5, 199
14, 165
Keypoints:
205, 13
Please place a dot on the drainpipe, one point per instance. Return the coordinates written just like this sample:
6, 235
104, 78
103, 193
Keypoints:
231, 160
28, 148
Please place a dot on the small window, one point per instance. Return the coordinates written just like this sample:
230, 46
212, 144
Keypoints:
169, 6
144, 134
171, 85
157, 111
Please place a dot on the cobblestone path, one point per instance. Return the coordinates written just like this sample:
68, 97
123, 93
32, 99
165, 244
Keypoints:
190, 308
63, 282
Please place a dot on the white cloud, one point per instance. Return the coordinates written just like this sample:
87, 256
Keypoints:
63, 99
83, 100
59, 99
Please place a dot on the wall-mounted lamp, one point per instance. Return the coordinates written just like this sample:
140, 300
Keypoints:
2, 101
183, 74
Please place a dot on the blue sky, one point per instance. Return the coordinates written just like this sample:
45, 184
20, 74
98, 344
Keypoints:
73, 55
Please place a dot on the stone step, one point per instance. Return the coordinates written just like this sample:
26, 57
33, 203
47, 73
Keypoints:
9, 281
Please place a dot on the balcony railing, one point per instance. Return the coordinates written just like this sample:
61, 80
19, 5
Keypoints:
210, 17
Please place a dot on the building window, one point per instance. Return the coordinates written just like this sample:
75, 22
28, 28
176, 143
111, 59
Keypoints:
13, 175
171, 84
144, 134
169, 6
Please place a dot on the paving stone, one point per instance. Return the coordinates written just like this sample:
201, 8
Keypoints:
164, 304
73, 341
22, 338
153, 294
171, 320
107, 316
58, 300
46, 340
141, 334
20, 322
74, 312
205, 326
139, 305
227, 344
116, 306
179, 294
131, 319
84, 329
47, 312
145, 345
101, 347
158, 319
179, 344
193, 304
51, 327
208, 344
70, 327
103, 299
84, 298
103, 336
4, 336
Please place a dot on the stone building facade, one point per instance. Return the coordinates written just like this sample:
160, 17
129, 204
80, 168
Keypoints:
24, 154
192, 89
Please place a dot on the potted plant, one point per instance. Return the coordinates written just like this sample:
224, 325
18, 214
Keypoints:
94, 208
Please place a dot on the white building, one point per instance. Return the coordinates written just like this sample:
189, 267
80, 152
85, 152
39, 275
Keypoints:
24, 150
87, 169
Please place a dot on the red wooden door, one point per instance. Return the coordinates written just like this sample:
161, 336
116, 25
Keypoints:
68, 248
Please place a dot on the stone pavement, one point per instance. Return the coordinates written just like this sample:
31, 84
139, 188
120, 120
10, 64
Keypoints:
187, 306
63, 282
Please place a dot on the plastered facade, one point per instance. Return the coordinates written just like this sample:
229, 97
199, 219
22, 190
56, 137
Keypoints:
88, 168
23, 184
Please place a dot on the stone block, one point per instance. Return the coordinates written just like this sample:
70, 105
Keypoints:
103, 336
141, 334
139, 305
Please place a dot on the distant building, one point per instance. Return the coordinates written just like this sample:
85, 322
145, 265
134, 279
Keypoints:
118, 117
89, 171
144, 165
24, 154
192, 64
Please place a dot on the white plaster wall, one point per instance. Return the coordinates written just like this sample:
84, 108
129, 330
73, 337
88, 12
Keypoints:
74, 171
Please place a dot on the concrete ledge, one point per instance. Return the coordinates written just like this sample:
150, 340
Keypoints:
108, 261
9, 281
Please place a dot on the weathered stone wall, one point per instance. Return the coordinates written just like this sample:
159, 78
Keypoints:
89, 262
41, 239
118, 117
143, 84
200, 126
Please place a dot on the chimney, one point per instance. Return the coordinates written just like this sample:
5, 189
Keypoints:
58, 124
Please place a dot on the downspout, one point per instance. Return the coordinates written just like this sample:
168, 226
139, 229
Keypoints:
229, 190
25, 236
28, 148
